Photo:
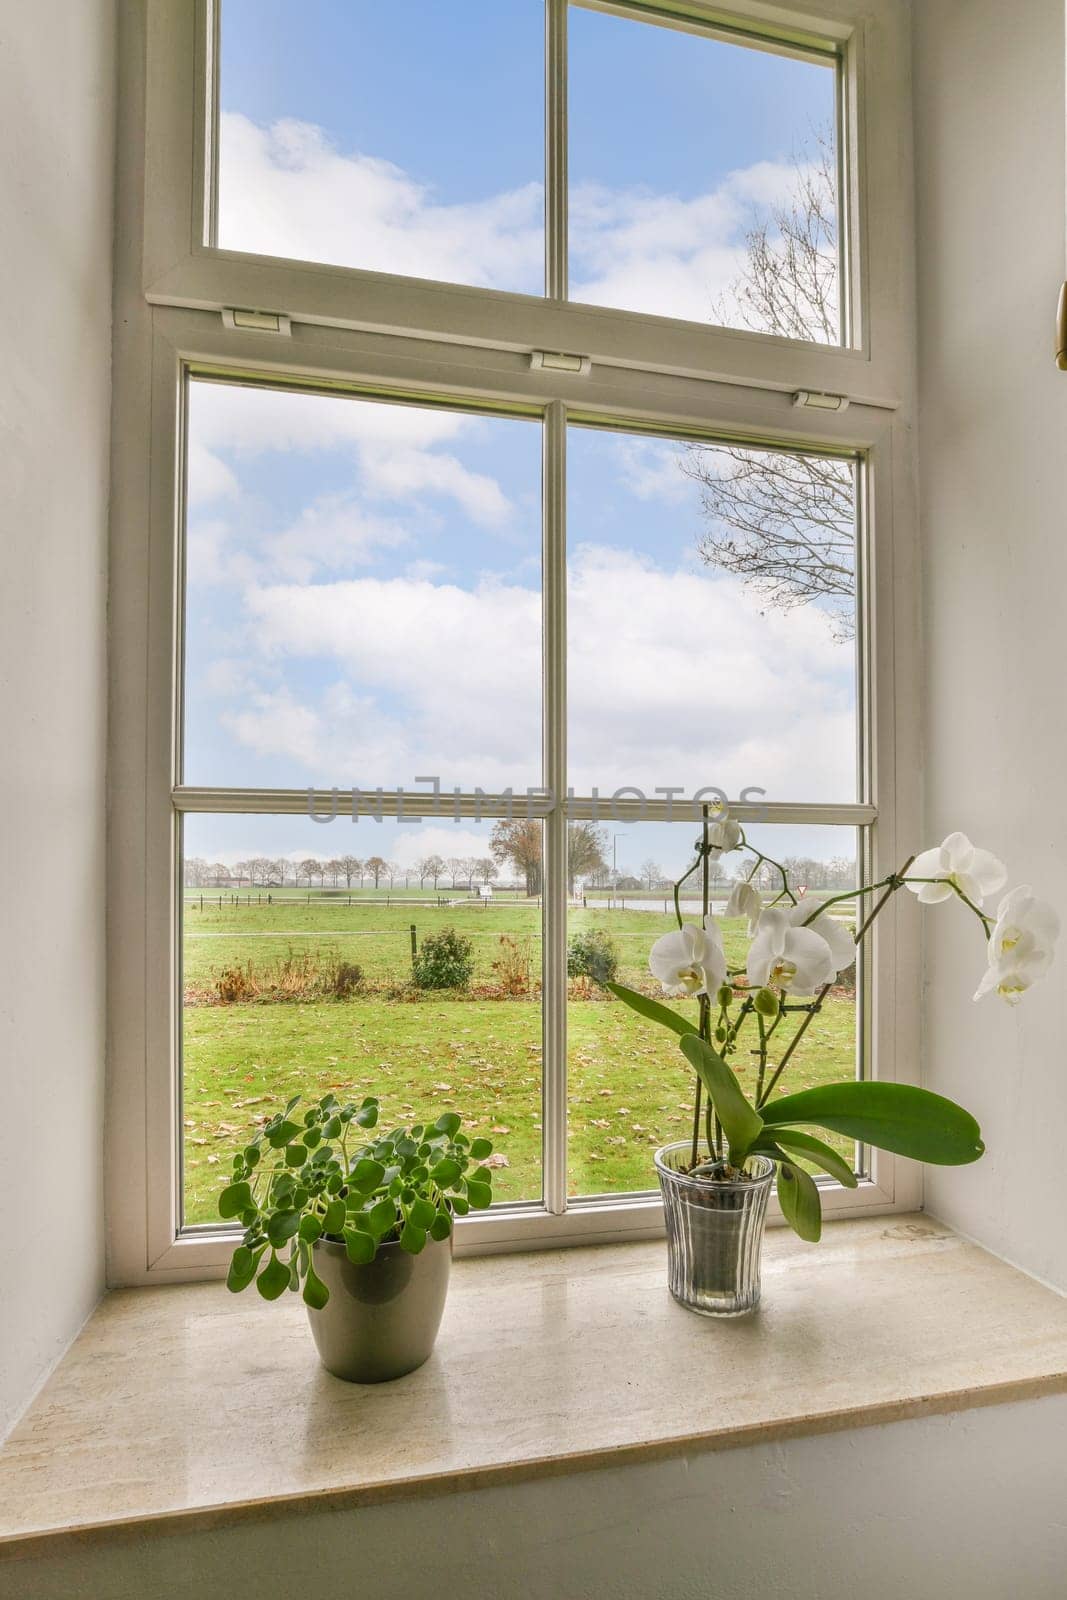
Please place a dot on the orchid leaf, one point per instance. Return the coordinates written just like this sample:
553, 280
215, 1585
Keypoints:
741, 1122
652, 1011
798, 1196
795, 1143
891, 1116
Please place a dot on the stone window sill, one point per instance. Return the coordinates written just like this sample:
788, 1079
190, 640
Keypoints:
186, 1406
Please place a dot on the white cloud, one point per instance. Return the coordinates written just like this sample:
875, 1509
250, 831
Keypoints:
396, 448
400, 474
639, 250
250, 420
651, 470
428, 839
675, 677
208, 477
333, 535
287, 191
443, 679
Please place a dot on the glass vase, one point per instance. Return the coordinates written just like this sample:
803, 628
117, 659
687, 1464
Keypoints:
714, 1232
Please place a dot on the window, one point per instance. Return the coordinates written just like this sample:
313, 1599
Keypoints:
355, 134
440, 588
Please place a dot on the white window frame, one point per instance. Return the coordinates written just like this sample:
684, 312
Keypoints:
367, 331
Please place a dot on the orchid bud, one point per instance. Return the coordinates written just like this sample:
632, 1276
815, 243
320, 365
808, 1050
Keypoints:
766, 1002
724, 997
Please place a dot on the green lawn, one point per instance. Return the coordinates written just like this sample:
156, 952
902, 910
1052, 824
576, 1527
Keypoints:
629, 1090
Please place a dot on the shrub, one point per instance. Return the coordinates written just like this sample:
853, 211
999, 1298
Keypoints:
512, 966
445, 961
235, 984
343, 979
592, 954
294, 976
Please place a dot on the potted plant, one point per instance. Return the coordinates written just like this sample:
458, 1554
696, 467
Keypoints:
716, 1184
363, 1225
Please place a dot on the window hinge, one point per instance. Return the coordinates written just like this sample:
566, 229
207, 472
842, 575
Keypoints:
820, 402
256, 321
559, 361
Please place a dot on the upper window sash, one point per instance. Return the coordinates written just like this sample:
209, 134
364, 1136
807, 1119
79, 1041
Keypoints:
180, 269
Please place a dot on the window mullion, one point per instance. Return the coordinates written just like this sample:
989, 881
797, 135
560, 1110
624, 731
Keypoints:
554, 897
556, 149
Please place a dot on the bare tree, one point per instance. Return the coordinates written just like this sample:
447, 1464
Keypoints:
786, 523
352, 867
484, 869
652, 873
431, 867
376, 866
309, 868
585, 851
457, 870
521, 844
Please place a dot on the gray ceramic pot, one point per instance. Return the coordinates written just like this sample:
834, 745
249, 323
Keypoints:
381, 1319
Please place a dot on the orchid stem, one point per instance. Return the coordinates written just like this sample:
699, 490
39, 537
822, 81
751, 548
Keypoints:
816, 1005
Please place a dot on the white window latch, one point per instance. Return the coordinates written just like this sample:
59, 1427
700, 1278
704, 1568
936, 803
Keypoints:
256, 321
820, 402
558, 361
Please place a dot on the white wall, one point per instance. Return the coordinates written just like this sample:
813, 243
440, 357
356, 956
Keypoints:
56, 95
993, 487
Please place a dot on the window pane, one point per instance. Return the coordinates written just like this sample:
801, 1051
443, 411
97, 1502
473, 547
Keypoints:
629, 1087
702, 178
363, 593
403, 138
711, 617
298, 978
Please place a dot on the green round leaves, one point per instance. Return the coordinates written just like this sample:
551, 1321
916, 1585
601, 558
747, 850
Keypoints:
234, 1199
299, 1182
274, 1279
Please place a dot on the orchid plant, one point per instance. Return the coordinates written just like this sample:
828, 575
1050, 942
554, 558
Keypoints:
797, 951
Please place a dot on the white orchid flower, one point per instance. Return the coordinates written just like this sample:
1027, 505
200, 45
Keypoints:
782, 956
841, 943
691, 960
745, 901
956, 864
1021, 946
724, 833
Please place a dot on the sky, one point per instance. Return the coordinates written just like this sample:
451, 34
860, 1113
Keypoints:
364, 579
409, 138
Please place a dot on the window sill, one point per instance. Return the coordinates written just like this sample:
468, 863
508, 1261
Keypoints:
187, 1407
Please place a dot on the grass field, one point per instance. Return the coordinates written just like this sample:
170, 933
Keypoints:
481, 1055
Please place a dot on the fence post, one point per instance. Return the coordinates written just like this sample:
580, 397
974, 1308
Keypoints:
201, 902
414, 944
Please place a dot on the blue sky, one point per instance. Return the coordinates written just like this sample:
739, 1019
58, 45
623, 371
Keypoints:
364, 579
647, 106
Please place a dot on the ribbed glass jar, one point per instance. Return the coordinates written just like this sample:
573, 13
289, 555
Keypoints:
714, 1233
